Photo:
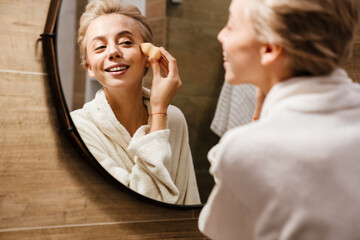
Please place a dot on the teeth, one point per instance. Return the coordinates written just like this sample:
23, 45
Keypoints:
115, 69
224, 57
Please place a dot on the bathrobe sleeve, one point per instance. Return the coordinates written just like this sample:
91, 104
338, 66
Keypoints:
151, 152
223, 217
181, 166
140, 166
236, 207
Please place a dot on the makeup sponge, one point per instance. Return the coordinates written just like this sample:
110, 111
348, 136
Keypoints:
151, 51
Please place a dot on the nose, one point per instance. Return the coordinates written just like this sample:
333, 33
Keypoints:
220, 35
114, 52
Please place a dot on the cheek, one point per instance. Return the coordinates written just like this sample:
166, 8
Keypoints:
133, 53
138, 57
93, 60
231, 45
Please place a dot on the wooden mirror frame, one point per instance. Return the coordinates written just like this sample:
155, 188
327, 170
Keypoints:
67, 126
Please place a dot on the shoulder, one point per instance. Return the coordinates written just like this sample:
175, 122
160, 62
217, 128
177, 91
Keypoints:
242, 139
175, 113
82, 113
250, 166
175, 116
247, 152
176, 123
82, 118
87, 107
78, 114
89, 111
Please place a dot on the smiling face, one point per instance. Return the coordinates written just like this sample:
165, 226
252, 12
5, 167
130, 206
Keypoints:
113, 51
241, 49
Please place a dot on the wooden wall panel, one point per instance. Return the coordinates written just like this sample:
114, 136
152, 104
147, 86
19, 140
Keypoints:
155, 8
46, 190
179, 229
21, 24
156, 14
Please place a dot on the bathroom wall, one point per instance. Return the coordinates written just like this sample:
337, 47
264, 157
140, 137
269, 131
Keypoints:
192, 30
46, 190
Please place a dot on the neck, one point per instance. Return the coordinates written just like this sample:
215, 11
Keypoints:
274, 74
128, 107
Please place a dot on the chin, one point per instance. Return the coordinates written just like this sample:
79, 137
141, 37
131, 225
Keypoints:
231, 79
114, 84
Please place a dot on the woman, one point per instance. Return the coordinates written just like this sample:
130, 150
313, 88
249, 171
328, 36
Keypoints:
293, 173
139, 138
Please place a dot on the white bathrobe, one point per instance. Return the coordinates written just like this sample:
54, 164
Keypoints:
157, 165
295, 173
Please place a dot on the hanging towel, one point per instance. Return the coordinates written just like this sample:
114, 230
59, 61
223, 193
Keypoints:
234, 108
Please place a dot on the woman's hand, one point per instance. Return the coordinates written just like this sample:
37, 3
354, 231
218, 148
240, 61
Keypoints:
163, 87
260, 98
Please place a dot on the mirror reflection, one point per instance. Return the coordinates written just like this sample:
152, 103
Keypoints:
200, 67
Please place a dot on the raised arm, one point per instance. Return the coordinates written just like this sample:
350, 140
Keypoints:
164, 88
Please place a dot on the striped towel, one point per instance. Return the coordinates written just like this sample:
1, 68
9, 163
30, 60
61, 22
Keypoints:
235, 107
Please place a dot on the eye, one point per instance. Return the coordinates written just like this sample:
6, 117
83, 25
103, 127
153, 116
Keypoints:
228, 25
126, 43
100, 47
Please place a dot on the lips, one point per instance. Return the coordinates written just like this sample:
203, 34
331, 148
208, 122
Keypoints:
117, 68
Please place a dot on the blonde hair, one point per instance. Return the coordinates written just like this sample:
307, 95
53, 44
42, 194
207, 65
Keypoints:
99, 8
316, 35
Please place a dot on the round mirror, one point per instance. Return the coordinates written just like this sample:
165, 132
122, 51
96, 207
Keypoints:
188, 31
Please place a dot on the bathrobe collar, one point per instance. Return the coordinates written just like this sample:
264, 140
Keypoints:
104, 118
313, 94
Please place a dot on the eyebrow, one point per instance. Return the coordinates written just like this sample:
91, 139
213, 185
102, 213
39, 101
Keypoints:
122, 33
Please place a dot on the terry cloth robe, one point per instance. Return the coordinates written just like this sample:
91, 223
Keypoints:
157, 165
295, 173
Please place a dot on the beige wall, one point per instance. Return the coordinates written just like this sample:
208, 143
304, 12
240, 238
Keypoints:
46, 190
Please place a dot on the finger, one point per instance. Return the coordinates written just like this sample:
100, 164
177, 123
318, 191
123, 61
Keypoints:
155, 67
164, 61
173, 69
164, 68
165, 54
164, 64
163, 58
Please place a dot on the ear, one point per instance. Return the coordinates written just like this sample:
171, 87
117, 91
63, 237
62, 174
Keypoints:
89, 70
270, 53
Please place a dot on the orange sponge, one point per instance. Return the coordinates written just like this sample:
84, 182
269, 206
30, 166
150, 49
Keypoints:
150, 50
